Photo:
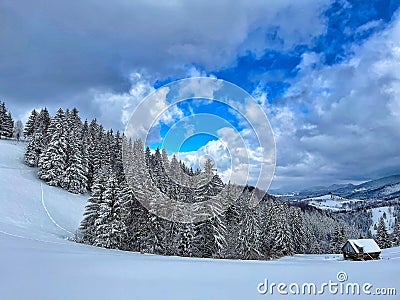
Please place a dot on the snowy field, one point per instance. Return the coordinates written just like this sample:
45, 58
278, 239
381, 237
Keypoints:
38, 262
328, 202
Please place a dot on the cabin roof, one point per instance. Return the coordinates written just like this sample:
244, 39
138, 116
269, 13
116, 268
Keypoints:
368, 245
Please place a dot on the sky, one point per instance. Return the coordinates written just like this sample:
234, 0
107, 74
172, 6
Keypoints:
326, 74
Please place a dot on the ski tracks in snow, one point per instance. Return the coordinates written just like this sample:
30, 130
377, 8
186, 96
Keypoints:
49, 215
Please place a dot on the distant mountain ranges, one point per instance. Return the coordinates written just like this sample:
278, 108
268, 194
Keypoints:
382, 188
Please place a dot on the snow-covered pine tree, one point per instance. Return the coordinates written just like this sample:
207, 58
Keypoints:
97, 150
280, 237
174, 169
85, 143
149, 228
3, 112
100, 158
31, 153
30, 124
382, 236
203, 241
117, 163
87, 226
297, 228
158, 172
338, 239
165, 160
396, 234
74, 178
6, 122
232, 229
209, 168
53, 161
147, 156
138, 161
108, 142
109, 228
222, 199
219, 231
129, 217
248, 243
39, 138
153, 241
184, 239
314, 245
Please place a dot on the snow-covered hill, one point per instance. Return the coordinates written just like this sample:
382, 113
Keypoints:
387, 212
38, 262
331, 202
382, 188
29, 208
336, 203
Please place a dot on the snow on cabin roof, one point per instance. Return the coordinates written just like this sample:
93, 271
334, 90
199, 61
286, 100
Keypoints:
368, 245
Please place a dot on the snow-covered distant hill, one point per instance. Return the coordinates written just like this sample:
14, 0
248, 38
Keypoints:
386, 187
39, 262
336, 203
331, 202
383, 188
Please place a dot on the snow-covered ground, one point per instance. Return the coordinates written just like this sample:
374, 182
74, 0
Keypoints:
38, 262
330, 202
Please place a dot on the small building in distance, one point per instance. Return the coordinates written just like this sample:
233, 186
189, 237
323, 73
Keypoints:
361, 249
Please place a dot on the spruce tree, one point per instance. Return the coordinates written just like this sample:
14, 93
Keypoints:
184, 239
203, 241
75, 175
382, 236
396, 234
53, 162
87, 226
165, 160
30, 124
109, 228
128, 217
6, 122
39, 138
280, 237
338, 239
248, 244
3, 112
297, 229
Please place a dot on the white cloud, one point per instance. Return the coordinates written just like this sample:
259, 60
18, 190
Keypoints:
236, 159
342, 122
116, 108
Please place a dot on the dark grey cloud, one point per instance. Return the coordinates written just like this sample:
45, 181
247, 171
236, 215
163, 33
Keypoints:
54, 52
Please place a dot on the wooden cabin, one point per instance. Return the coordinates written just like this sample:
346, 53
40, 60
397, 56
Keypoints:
361, 249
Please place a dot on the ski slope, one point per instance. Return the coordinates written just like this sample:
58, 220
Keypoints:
39, 262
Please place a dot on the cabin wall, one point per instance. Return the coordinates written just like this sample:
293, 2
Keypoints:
361, 256
348, 248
